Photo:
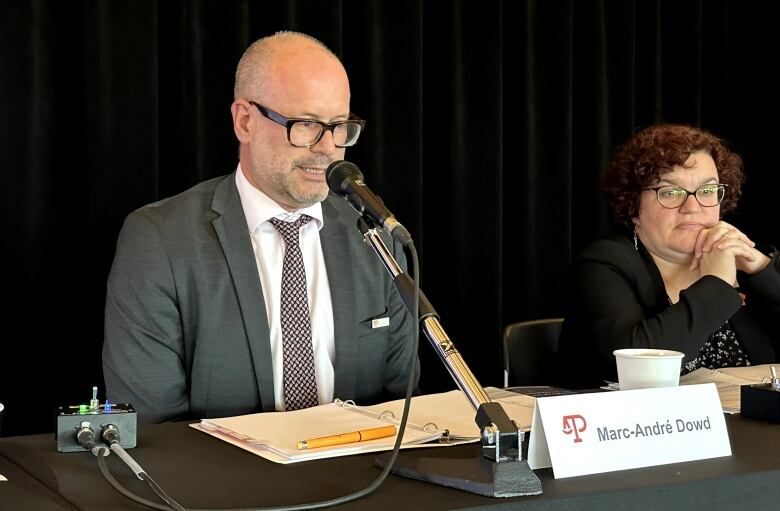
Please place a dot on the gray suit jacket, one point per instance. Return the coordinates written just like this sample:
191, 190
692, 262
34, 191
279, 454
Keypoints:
186, 332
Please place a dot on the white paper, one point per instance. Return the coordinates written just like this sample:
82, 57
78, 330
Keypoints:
274, 435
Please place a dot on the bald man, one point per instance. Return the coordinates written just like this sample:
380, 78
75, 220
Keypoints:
254, 291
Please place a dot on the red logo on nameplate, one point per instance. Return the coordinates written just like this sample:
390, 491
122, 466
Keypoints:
574, 424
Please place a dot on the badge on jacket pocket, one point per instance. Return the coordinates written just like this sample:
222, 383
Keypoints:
380, 322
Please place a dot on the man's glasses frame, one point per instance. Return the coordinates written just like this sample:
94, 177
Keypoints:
718, 188
290, 122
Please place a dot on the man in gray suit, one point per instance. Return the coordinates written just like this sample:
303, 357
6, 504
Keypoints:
195, 311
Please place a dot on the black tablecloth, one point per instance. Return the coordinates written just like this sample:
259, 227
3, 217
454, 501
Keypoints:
202, 472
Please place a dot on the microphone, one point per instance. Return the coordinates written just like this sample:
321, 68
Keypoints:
344, 178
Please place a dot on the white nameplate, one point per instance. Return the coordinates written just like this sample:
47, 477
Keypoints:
592, 433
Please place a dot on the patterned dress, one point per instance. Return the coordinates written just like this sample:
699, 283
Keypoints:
722, 349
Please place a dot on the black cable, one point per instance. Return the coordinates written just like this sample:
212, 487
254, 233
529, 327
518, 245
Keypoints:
118, 486
159, 491
144, 476
111, 436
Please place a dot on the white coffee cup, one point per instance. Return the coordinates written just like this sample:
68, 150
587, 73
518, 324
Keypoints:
644, 368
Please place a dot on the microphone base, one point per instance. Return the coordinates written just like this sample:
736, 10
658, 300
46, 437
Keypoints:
760, 402
475, 475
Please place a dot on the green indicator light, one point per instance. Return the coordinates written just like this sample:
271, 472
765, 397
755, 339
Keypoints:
83, 409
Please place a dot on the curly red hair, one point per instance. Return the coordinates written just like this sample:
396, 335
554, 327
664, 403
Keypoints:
655, 151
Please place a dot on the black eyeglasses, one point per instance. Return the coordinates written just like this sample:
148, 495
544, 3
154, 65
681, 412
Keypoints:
307, 132
672, 197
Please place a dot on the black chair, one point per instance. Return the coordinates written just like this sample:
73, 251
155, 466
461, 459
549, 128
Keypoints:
529, 349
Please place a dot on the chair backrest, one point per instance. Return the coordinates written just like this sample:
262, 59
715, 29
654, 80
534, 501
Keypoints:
529, 348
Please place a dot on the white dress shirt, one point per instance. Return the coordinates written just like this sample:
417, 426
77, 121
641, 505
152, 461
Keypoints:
269, 255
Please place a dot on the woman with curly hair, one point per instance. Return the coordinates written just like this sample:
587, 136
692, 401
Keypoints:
678, 277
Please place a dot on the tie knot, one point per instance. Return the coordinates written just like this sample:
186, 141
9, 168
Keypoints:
289, 230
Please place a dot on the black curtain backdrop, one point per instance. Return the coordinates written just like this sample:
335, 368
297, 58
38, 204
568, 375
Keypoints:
489, 125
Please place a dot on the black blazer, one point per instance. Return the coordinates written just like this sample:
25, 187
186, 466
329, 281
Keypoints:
617, 299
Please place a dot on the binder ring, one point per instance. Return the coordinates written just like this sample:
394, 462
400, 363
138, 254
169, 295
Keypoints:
344, 404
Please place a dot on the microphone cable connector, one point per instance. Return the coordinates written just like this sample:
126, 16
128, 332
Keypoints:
110, 434
85, 436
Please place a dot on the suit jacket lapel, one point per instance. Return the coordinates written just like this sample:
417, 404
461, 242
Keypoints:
337, 250
233, 235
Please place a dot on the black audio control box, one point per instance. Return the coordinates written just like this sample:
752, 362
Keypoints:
71, 419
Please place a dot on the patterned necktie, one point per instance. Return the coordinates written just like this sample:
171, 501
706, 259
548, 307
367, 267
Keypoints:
300, 385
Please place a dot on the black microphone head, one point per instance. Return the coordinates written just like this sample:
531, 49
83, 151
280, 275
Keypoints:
338, 173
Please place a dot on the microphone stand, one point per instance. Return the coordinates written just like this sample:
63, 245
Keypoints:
500, 470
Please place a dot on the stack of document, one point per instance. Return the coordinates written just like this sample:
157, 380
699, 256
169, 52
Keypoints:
434, 420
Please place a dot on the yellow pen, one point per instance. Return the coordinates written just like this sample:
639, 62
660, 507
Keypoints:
347, 438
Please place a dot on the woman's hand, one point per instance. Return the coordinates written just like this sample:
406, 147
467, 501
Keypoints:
728, 240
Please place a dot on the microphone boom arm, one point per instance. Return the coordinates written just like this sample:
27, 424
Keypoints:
501, 440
